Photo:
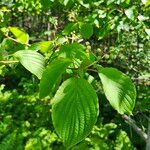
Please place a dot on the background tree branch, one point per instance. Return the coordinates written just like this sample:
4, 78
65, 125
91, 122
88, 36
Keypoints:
138, 130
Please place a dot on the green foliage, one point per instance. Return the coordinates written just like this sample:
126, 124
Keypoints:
33, 143
8, 142
69, 28
20, 35
74, 110
123, 142
32, 61
12, 141
86, 30
73, 51
44, 46
74, 38
118, 89
51, 75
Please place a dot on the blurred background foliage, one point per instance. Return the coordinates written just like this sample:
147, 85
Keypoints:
116, 31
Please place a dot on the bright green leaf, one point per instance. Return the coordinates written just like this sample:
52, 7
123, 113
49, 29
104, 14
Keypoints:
51, 74
130, 13
123, 142
74, 110
86, 5
86, 30
20, 35
119, 90
147, 3
148, 32
64, 2
43, 46
32, 61
76, 52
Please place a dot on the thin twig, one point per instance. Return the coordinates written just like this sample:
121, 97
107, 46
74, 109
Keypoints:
92, 64
89, 69
138, 130
9, 62
16, 40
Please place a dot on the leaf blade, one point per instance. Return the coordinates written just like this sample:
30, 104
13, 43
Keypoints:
118, 89
51, 74
74, 110
20, 35
32, 61
86, 30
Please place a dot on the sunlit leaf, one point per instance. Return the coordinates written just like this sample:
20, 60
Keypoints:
43, 46
119, 90
74, 110
32, 61
148, 32
123, 142
130, 13
20, 35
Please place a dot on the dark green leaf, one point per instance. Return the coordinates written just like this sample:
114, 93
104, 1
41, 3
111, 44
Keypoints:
69, 28
86, 30
51, 74
103, 31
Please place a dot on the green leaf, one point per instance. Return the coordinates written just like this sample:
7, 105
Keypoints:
123, 142
33, 143
46, 46
64, 2
11, 46
74, 110
70, 28
43, 46
103, 31
51, 74
84, 4
86, 30
74, 50
32, 61
148, 32
147, 3
20, 35
130, 13
119, 90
